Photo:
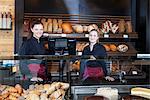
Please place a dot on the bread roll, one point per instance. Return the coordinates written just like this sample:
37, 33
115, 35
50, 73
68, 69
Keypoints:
19, 88
113, 47
106, 47
12, 90
67, 28
56, 94
78, 28
65, 86
143, 92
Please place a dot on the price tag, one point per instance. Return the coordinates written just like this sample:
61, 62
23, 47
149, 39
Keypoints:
63, 35
79, 53
86, 35
125, 36
106, 36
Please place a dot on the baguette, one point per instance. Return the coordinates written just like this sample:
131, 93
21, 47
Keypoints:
143, 92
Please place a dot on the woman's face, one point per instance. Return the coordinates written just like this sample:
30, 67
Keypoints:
93, 37
37, 30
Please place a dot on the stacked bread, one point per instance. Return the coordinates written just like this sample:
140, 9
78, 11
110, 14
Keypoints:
10, 92
54, 91
52, 25
108, 92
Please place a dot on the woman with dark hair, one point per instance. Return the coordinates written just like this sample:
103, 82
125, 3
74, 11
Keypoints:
33, 69
96, 51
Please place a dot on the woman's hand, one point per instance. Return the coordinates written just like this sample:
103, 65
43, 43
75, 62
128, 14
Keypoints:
109, 78
92, 57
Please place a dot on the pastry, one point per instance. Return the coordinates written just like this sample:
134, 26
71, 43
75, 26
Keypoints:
122, 48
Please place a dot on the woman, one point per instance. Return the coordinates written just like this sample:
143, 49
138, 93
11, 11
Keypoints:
96, 50
33, 46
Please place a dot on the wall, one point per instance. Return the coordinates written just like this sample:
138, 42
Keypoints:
7, 36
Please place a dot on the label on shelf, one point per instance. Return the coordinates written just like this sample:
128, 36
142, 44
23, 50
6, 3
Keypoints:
125, 36
79, 53
86, 35
106, 36
63, 35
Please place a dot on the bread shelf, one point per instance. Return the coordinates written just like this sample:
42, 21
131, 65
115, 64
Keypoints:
132, 35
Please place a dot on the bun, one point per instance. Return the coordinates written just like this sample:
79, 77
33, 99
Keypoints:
78, 28
113, 47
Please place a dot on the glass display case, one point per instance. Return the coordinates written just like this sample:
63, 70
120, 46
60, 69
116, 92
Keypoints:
128, 73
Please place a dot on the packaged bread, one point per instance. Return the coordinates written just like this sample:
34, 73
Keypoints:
121, 25
50, 26
55, 25
45, 24
128, 27
139, 91
60, 23
67, 28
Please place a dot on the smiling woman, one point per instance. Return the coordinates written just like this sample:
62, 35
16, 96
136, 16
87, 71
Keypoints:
33, 46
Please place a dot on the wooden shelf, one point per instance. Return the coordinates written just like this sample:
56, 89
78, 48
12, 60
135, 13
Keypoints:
132, 35
130, 52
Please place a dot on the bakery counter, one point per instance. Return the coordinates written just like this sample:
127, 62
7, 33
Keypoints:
91, 89
82, 89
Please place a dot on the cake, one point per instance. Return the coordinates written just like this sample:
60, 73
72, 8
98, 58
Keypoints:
108, 92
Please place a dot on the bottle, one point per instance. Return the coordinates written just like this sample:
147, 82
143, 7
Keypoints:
4, 20
8, 21
1, 20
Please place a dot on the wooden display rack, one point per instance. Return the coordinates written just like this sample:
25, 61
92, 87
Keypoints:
7, 36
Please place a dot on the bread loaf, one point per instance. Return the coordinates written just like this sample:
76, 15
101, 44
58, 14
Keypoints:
67, 28
50, 26
122, 48
143, 92
128, 27
121, 26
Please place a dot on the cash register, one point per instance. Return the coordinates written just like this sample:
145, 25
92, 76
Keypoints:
62, 46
